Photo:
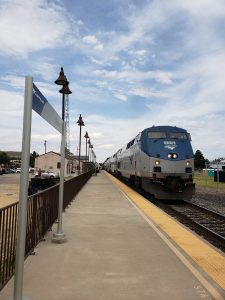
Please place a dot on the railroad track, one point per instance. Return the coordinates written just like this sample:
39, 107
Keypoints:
207, 223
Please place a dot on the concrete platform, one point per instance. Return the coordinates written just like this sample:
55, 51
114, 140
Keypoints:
112, 253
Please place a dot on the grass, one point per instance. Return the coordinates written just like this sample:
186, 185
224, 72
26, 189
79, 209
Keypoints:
203, 180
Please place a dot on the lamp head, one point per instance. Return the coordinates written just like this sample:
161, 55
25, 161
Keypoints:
86, 135
80, 121
61, 80
65, 89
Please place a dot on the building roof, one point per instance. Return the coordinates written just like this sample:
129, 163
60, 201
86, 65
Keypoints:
68, 156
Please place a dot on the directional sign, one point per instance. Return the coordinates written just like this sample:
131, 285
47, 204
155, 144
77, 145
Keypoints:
45, 110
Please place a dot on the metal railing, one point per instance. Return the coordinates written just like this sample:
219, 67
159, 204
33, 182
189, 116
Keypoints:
42, 212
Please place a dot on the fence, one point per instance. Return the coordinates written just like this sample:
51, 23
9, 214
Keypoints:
42, 212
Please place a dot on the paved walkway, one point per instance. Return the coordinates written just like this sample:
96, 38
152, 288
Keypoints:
111, 253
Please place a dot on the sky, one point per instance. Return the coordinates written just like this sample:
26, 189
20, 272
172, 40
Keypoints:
130, 64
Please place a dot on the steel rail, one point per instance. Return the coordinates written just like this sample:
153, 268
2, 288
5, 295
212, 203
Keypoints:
200, 215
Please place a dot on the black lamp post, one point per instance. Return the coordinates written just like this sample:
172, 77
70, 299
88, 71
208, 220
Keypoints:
80, 123
86, 137
91, 156
59, 237
89, 143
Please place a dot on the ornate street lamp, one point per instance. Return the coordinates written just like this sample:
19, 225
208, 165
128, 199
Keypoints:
86, 137
59, 237
80, 123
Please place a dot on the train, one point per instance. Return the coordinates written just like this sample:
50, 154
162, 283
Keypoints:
159, 160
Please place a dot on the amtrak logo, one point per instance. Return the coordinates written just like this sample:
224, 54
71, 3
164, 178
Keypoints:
171, 145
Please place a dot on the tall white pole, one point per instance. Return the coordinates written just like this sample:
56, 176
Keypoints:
59, 236
24, 179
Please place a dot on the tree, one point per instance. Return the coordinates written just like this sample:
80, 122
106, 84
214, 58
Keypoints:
32, 158
199, 160
4, 158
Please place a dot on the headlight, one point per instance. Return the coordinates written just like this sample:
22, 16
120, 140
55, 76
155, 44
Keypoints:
157, 162
188, 163
172, 155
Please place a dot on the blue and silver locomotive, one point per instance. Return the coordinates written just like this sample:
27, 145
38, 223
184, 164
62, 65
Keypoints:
160, 160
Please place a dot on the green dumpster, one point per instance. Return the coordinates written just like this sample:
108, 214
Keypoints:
210, 173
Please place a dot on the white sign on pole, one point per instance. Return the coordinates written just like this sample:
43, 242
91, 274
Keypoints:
45, 110
33, 99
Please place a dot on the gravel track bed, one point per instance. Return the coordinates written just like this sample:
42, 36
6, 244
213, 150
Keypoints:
210, 199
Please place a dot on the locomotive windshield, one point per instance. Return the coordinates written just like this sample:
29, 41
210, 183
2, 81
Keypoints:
178, 135
169, 135
156, 135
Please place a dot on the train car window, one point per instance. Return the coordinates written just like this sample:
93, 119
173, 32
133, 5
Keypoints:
156, 135
178, 135
132, 142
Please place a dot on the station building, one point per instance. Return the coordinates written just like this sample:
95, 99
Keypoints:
51, 161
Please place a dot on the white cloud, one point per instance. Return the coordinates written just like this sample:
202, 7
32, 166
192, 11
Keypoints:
137, 76
99, 47
121, 97
90, 39
139, 53
46, 69
146, 93
203, 7
11, 103
169, 50
106, 146
28, 26
14, 81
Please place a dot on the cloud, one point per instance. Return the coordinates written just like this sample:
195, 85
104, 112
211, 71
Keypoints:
146, 93
46, 69
120, 97
10, 103
163, 77
44, 21
14, 81
169, 53
92, 40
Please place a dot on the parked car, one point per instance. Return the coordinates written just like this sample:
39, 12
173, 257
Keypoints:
18, 170
47, 174
31, 170
9, 171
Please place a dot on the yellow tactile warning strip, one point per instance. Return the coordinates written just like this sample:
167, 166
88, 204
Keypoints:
211, 261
